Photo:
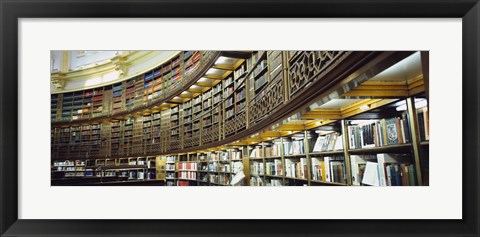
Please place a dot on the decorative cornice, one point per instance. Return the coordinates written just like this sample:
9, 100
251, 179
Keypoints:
58, 79
119, 65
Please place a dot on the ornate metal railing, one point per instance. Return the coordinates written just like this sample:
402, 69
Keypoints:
266, 101
306, 67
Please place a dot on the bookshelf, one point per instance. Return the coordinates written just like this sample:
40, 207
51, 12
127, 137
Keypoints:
97, 102
108, 171
132, 94
187, 169
318, 146
154, 144
54, 106
175, 142
187, 123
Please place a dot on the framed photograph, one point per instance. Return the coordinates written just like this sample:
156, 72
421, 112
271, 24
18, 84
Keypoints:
232, 118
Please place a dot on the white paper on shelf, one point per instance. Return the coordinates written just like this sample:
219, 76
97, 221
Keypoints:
370, 177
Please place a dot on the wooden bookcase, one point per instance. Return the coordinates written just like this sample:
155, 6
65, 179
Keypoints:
230, 100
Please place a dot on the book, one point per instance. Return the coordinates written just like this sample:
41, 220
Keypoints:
377, 133
412, 175
385, 159
328, 142
370, 177
392, 131
318, 169
328, 177
358, 163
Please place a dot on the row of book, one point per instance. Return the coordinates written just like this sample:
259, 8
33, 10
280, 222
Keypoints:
377, 133
329, 169
274, 150
329, 142
383, 170
294, 147
296, 168
274, 167
219, 179
256, 181
187, 166
257, 168
187, 175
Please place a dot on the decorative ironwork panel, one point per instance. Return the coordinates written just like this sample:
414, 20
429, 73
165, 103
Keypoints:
267, 100
196, 138
188, 142
240, 121
207, 135
174, 144
309, 66
230, 126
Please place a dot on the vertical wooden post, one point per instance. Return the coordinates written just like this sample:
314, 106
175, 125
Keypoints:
307, 156
426, 71
346, 154
412, 114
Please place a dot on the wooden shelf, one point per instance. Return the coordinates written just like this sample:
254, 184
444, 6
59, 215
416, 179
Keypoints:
302, 179
323, 153
328, 183
274, 176
273, 157
389, 148
295, 156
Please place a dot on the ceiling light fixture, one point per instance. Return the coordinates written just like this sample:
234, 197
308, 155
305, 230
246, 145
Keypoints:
364, 107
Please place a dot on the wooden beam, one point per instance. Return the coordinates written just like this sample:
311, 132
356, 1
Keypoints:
416, 85
323, 114
189, 95
372, 104
291, 127
356, 106
204, 84
224, 67
214, 77
175, 102
379, 89
238, 63
272, 134
195, 91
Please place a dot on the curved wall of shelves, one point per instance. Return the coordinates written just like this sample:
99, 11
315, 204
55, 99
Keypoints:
260, 91
144, 92
81, 70
233, 103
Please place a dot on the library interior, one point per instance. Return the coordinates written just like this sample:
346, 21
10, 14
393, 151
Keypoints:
239, 118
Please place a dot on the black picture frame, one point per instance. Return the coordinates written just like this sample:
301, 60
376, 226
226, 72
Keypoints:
11, 11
